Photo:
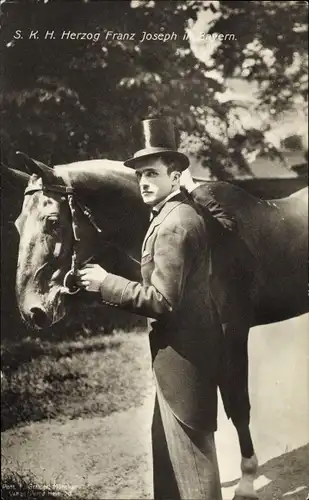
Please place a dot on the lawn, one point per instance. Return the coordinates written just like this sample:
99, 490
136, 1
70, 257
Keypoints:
88, 376
84, 377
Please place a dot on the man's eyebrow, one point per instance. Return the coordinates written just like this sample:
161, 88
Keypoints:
146, 169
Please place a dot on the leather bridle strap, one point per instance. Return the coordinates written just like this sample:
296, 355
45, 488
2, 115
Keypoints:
72, 272
70, 275
51, 187
73, 202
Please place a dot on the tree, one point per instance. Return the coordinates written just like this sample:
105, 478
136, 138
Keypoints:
66, 99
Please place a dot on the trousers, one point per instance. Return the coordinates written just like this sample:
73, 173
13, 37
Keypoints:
185, 465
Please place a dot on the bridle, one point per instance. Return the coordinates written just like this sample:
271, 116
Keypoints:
69, 282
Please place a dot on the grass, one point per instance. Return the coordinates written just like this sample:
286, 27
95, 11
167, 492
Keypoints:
24, 486
87, 376
92, 376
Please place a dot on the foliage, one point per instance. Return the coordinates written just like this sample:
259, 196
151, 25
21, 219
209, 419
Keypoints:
65, 100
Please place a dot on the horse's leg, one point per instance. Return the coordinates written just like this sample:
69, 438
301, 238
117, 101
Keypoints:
248, 465
235, 396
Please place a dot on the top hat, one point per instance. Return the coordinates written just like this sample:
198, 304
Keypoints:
157, 138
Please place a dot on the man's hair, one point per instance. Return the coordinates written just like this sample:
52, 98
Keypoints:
171, 164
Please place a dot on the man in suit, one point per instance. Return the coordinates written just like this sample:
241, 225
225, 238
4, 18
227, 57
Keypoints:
184, 326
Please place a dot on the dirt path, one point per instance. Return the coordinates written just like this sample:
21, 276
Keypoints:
110, 457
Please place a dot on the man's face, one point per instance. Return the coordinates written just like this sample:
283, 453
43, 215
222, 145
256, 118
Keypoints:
154, 181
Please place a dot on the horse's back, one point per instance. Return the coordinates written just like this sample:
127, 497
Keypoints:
261, 267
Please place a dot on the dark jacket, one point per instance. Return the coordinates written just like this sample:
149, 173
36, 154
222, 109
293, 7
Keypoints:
184, 326
231, 262
221, 223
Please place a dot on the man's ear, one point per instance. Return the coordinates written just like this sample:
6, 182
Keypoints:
176, 176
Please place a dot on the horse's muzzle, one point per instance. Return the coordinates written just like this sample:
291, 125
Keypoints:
39, 317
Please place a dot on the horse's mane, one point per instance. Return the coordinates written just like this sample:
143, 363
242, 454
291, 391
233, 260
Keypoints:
93, 175
111, 191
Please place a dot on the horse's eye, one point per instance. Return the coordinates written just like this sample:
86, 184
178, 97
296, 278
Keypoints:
52, 224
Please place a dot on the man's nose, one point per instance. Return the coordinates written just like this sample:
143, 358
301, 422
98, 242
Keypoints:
143, 182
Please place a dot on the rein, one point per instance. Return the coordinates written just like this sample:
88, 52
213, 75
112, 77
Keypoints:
69, 284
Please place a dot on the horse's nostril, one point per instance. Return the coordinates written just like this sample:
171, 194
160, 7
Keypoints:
38, 316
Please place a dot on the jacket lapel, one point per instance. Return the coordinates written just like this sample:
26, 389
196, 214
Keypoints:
166, 209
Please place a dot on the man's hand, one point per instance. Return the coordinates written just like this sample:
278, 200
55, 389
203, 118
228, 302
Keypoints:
91, 277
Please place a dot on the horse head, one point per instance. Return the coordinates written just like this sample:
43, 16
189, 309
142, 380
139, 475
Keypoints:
59, 234
50, 247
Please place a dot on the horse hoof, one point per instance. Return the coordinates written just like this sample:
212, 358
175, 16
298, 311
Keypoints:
249, 466
246, 496
245, 489
241, 497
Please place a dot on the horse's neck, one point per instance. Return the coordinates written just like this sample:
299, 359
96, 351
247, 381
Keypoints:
123, 222
111, 191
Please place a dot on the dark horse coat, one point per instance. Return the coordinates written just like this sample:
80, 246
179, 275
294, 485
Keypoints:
184, 326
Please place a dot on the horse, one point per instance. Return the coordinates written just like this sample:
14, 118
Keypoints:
92, 211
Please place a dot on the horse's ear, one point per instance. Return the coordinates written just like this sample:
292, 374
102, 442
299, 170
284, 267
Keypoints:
37, 167
20, 179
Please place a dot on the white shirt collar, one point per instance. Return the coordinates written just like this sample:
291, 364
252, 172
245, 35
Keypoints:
156, 209
161, 203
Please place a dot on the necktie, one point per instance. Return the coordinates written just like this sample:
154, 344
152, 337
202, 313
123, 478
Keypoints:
154, 212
